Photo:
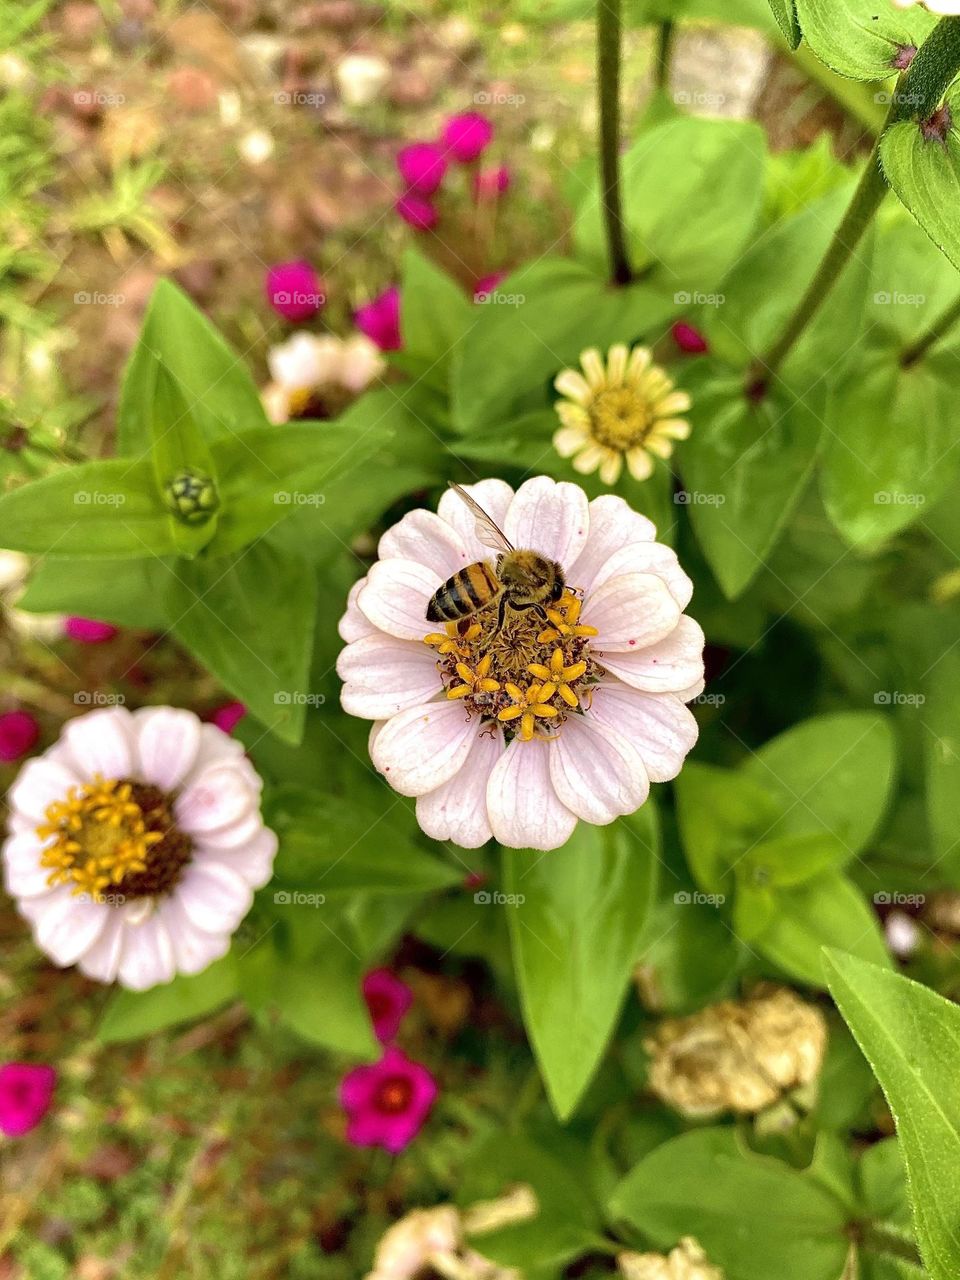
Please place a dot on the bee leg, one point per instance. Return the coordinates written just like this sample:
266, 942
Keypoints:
501, 610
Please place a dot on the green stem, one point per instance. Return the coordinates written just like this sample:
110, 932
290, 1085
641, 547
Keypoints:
609, 38
943, 323
665, 34
918, 93
878, 1238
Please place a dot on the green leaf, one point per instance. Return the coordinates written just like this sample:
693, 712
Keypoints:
911, 1037
132, 1014
329, 844
817, 766
785, 12
689, 953
212, 381
178, 449
704, 210
98, 510
925, 173
786, 861
128, 593
721, 814
755, 1217
860, 38
249, 618
575, 939
321, 999
941, 754
436, 316
826, 911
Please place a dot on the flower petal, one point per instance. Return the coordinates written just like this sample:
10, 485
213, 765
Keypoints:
640, 464
102, 742
217, 797
550, 517
632, 611
102, 961
396, 596
194, 949
383, 675
214, 898
147, 957
645, 557
596, 772
494, 496
354, 624
252, 860
457, 811
611, 466
65, 924
428, 540
613, 524
661, 728
167, 744
569, 439
524, 809
39, 783
671, 665
422, 748
24, 877
574, 386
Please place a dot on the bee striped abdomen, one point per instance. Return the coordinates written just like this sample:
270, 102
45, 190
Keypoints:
464, 593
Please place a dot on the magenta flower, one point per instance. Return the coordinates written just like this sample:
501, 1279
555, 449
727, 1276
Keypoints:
379, 319
489, 184
88, 630
422, 166
388, 999
690, 340
467, 136
25, 1095
19, 731
294, 290
387, 1104
483, 288
228, 716
417, 211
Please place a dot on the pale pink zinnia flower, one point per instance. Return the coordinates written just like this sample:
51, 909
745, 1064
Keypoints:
519, 731
136, 843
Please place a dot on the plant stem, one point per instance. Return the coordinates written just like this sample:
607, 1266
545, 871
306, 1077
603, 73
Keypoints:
609, 38
665, 34
918, 93
877, 1238
919, 348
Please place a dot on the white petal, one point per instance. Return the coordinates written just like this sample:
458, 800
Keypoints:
193, 948
574, 386
457, 811
661, 728
596, 772
524, 810
168, 740
214, 898
39, 783
354, 625
646, 557
217, 747
24, 877
613, 524
102, 961
146, 956
252, 860
551, 517
396, 596
383, 675
421, 749
102, 742
217, 797
632, 611
65, 924
235, 834
670, 666
428, 540
494, 496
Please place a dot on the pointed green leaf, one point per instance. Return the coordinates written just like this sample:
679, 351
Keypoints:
924, 171
132, 1014
860, 38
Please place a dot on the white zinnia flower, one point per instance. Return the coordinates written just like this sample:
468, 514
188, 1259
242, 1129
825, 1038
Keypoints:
306, 363
136, 843
361, 77
431, 1241
519, 732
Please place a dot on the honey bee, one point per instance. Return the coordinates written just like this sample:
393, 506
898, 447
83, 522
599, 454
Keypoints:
520, 579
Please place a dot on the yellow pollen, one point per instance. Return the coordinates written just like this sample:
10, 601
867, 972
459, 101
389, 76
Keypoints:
621, 417
528, 705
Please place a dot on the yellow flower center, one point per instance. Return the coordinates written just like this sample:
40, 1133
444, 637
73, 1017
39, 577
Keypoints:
621, 418
489, 668
114, 838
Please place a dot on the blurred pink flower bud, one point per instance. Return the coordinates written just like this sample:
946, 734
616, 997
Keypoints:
688, 339
379, 319
422, 166
228, 716
417, 211
19, 732
388, 999
88, 630
26, 1092
467, 136
294, 290
489, 184
483, 288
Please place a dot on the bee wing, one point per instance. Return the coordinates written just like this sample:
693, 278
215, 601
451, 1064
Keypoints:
490, 534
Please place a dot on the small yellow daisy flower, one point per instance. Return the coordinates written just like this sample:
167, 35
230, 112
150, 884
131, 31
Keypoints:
624, 408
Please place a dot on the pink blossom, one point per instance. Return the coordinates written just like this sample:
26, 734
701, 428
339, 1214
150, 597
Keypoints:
26, 1091
19, 732
388, 1103
488, 184
228, 716
388, 999
570, 722
467, 136
89, 631
488, 285
688, 339
294, 290
422, 166
417, 211
379, 319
